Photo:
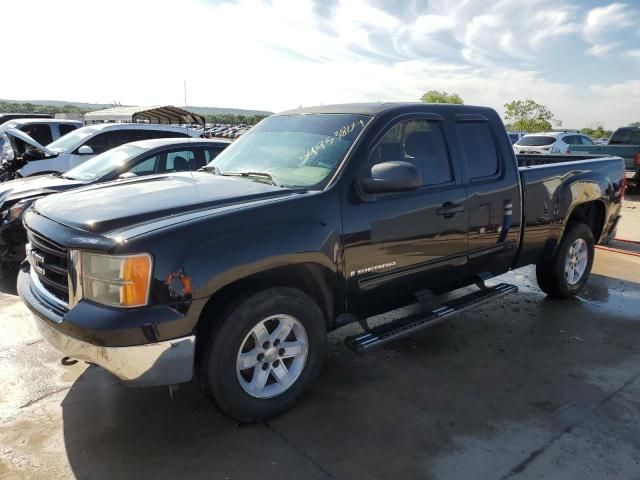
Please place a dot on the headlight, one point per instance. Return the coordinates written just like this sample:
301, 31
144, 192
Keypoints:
114, 280
10, 214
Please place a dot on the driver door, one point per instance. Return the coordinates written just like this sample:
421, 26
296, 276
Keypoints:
397, 244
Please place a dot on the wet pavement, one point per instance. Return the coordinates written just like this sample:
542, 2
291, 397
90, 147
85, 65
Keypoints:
523, 387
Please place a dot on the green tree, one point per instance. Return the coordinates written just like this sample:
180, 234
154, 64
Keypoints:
596, 133
435, 96
634, 124
529, 116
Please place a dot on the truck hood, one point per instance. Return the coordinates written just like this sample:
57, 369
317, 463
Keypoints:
30, 187
20, 141
109, 206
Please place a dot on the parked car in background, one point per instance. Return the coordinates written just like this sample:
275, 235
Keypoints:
315, 219
32, 158
515, 136
5, 117
42, 130
141, 158
550, 143
625, 143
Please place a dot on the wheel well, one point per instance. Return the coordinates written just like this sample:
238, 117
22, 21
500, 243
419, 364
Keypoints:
591, 214
312, 279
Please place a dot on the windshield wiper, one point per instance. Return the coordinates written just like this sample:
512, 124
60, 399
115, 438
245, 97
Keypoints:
274, 181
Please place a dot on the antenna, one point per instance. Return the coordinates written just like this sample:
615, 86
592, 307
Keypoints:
185, 94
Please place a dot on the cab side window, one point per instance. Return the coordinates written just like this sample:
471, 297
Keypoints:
420, 142
479, 149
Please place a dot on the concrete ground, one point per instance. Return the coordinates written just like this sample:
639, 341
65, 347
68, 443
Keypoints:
521, 388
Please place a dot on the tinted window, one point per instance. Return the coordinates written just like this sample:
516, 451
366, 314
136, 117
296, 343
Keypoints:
419, 142
479, 149
513, 137
535, 141
625, 136
180, 161
571, 139
99, 143
586, 140
161, 134
39, 132
64, 129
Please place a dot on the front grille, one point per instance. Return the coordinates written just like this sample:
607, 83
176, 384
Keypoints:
49, 262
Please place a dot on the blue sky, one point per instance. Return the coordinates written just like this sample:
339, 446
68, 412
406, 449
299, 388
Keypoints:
580, 58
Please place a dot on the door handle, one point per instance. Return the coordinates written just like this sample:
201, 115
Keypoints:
450, 209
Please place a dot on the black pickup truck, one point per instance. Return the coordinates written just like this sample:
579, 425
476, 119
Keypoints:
316, 218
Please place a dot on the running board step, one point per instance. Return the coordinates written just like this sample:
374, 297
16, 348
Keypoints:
413, 323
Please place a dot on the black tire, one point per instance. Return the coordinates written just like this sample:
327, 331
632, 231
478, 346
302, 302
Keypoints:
219, 347
551, 273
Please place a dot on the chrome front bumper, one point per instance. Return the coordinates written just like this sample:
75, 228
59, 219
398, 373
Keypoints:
162, 363
152, 364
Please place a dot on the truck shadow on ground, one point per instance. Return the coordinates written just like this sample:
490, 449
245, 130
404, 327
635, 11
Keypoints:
523, 364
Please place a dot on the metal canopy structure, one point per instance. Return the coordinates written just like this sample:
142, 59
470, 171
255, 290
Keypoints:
156, 114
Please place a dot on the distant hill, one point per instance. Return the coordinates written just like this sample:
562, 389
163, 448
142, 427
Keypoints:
99, 106
225, 111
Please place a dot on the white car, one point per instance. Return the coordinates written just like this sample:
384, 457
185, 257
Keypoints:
42, 130
515, 136
84, 143
550, 143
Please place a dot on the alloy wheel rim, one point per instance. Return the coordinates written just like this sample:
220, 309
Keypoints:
576, 262
272, 356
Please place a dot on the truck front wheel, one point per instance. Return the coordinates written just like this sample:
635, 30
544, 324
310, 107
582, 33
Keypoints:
567, 272
262, 353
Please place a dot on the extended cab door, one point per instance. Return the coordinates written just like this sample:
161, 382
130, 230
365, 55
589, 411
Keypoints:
397, 244
494, 206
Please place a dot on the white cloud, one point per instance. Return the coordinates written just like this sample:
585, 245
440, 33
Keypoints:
602, 20
604, 24
602, 50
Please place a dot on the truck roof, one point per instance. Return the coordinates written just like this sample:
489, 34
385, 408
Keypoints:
377, 108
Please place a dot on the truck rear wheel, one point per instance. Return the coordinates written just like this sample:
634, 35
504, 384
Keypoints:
567, 272
266, 348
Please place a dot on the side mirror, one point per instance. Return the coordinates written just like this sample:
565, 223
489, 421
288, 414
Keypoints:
85, 150
388, 177
127, 175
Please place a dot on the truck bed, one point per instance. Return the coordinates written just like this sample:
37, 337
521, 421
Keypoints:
549, 187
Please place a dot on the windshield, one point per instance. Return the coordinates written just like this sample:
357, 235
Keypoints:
71, 140
297, 150
535, 141
625, 136
104, 163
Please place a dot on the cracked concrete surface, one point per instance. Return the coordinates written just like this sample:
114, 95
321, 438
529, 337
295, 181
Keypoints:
520, 388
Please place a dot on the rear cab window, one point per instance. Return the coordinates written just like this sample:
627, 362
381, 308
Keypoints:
625, 136
479, 149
